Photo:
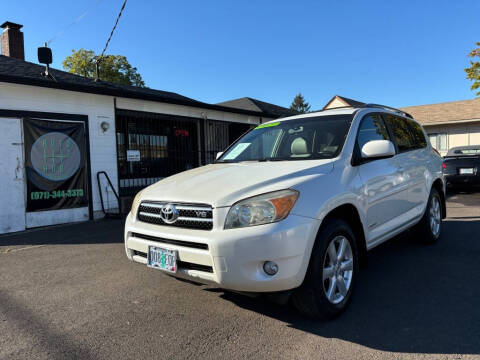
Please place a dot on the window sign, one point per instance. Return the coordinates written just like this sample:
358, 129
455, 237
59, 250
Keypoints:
133, 155
55, 164
237, 150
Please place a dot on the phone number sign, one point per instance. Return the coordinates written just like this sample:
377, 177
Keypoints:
55, 164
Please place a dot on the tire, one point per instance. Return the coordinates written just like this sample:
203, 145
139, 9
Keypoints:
311, 298
430, 227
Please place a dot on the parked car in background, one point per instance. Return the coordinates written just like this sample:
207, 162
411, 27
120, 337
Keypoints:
462, 167
293, 206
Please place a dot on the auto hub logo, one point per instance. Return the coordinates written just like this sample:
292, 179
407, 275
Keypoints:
55, 156
169, 213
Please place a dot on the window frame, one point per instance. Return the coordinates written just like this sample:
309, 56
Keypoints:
357, 159
437, 136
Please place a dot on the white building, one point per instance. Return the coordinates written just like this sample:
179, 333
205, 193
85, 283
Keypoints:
60, 131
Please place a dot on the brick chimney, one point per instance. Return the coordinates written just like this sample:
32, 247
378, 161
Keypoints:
12, 40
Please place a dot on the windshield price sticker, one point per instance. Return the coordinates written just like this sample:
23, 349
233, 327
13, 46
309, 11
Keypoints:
237, 150
268, 125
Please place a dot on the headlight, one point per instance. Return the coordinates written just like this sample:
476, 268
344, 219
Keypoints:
261, 209
135, 204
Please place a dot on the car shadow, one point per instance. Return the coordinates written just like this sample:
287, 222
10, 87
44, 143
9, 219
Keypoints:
411, 297
105, 231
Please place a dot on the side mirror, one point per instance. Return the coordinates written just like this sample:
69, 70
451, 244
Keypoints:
218, 155
378, 149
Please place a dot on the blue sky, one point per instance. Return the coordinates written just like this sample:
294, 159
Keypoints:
396, 53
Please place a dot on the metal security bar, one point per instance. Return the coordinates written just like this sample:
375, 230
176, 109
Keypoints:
166, 145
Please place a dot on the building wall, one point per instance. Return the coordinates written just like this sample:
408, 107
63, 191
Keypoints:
163, 108
98, 108
461, 134
335, 104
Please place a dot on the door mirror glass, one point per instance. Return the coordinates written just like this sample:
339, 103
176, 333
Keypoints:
378, 149
218, 155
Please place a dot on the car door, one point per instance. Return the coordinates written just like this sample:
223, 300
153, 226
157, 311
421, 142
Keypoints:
384, 190
411, 163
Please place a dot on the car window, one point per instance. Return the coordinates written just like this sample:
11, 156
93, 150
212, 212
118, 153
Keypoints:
401, 132
319, 137
417, 132
371, 128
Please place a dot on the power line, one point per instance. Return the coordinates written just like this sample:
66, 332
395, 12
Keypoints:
74, 22
114, 27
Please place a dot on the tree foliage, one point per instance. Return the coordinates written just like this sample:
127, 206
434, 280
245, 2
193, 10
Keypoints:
299, 104
473, 72
113, 68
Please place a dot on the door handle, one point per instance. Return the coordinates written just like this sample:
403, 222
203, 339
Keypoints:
18, 169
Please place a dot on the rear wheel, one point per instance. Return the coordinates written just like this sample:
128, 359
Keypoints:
330, 279
430, 227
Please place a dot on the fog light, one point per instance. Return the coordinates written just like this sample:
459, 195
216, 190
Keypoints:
270, 267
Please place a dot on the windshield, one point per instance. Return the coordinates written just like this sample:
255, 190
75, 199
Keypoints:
319, 137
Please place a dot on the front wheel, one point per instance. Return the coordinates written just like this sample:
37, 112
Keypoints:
330, 279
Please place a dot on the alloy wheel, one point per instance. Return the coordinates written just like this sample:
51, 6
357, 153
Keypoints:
337, 269
435, 217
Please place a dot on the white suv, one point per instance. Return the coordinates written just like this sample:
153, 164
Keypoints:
293, 206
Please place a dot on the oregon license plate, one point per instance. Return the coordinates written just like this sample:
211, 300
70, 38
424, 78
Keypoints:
466, 171
162, 259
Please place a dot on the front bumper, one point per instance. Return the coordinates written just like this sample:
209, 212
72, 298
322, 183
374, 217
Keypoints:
234, 258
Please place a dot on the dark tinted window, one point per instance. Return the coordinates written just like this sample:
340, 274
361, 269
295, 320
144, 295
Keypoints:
371, 128
418, 136
401, 132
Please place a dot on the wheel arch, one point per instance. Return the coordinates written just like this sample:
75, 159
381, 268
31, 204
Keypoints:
350, 214
438, 185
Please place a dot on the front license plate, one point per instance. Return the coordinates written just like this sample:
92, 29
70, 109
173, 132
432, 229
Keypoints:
162, 259
466, 171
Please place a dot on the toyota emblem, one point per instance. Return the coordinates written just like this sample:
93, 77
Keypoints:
169, 213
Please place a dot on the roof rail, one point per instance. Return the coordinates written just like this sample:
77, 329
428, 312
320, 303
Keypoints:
388, 108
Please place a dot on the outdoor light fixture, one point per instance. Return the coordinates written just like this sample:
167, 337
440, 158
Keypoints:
105, 126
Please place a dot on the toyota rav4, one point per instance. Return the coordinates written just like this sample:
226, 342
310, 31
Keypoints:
293, 206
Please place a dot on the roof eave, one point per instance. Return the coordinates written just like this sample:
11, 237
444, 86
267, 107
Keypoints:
112, 92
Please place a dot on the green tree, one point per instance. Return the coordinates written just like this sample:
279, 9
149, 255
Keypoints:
113, 68
299, 104
473, 72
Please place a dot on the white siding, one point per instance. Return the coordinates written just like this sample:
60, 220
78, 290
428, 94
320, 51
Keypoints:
98, 108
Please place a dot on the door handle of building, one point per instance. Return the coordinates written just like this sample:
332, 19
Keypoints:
18, 169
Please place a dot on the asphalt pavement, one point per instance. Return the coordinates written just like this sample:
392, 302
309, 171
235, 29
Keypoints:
69, 292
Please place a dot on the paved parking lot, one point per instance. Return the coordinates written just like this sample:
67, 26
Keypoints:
69, 292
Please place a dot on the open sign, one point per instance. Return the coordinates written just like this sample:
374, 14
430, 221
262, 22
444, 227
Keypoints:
181, 132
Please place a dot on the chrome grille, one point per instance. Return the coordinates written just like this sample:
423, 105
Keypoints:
192, 216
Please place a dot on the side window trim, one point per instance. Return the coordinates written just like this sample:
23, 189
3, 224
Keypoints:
356, 157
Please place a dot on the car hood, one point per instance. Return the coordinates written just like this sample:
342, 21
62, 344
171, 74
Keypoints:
223, 184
